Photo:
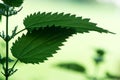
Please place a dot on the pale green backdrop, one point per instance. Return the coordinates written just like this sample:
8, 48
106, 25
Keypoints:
78, 48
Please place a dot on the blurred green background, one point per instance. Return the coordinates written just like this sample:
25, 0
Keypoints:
79, 48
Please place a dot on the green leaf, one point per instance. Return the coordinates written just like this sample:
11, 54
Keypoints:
36, 46
3, 60
2, 10
13, 3
109, 75
72, 66
100, 52
80, 25
100, 56
2, 6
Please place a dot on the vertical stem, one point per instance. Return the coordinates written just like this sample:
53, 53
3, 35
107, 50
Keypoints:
7, 46
96, 72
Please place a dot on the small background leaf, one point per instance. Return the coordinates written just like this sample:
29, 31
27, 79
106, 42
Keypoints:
72, 66
109, 75
36, 46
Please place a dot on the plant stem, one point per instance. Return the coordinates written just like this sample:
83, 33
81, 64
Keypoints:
7, 46
96, 72
14, 64
13, 67
17, 33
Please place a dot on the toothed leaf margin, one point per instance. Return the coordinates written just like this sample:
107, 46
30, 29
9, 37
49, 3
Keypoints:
37, 45
44, 19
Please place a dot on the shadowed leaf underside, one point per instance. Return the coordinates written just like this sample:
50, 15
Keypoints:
36, 46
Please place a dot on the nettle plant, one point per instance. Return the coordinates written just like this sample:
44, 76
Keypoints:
45, 33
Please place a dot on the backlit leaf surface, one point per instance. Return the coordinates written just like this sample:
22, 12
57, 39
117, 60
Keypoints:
81, 25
